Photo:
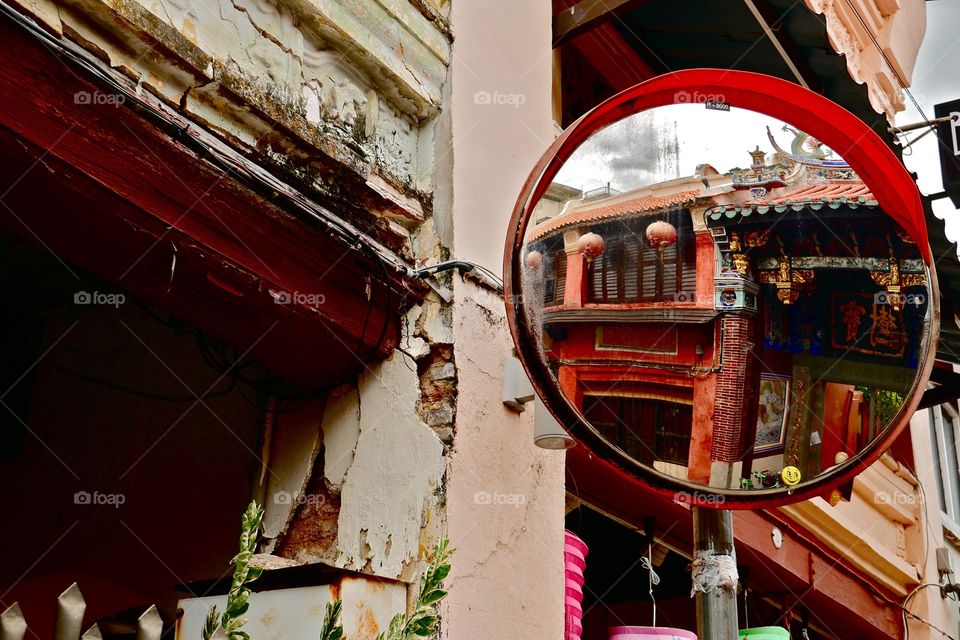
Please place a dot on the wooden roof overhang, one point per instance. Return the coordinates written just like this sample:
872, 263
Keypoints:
105, 188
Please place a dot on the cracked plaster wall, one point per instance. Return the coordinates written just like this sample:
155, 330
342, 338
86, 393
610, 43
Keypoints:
267, 41
359, 80
505, 496
372, 502
397, 466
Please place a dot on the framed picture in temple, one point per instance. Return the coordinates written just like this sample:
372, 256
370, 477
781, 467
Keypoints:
774, 400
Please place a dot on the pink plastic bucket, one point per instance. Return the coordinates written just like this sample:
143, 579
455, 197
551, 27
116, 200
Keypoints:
571, 541
572, 567
577, 561
650, 633
574, 581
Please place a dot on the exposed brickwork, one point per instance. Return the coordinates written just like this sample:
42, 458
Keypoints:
438, 391
312, 536
732, 409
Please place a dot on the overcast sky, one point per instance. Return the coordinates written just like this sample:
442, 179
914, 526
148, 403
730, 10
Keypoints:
669, 142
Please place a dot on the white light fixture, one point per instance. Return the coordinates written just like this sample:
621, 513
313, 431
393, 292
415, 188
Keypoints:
547, 432
517, 390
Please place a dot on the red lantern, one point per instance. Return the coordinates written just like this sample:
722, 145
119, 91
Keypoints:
661, 234
590, 245
534, 259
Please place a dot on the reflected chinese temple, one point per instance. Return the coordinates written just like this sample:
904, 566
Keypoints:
659, 302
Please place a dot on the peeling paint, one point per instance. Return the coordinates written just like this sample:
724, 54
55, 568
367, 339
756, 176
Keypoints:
341, 430
397, 467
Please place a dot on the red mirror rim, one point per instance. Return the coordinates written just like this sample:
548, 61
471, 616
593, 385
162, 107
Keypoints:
828, 122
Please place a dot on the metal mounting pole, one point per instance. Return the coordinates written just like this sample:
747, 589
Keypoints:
715, 574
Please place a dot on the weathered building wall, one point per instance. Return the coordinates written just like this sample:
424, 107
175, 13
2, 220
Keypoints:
505, 497
364, 103
342, 95
342, 98
375, 491
928, 602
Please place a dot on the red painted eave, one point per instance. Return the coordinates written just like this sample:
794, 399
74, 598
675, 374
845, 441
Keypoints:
103, 188
619, 210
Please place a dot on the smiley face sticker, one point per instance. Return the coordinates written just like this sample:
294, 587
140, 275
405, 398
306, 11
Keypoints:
790, 475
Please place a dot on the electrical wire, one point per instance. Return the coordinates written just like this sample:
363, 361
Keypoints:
906, 612
893, 69
926, 514
140, 392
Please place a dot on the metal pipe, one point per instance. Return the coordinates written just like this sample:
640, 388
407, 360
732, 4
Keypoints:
715, 574
776, 43
920, 125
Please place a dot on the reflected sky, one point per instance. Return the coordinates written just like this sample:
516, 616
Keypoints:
669, 142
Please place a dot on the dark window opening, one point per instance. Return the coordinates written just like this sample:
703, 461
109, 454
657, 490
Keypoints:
645, 429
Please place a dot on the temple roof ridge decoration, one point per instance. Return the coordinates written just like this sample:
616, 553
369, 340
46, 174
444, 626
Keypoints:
806, 150
806, 176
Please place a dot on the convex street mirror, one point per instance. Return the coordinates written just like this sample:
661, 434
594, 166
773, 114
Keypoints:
724, 287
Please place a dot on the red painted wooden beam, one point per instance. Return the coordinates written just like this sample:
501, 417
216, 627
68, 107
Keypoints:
103, 188
609, 53
602, 45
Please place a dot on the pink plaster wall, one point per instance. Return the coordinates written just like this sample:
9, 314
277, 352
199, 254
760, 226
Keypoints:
505, 497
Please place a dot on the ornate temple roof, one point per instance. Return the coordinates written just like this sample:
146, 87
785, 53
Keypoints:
622, 209
851, 190
805, 177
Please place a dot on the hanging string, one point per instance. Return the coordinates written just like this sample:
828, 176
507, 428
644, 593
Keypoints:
746, 613
654, 579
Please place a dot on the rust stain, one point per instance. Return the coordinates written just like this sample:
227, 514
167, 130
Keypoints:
367, 627
179, 623
268, 619
189, 31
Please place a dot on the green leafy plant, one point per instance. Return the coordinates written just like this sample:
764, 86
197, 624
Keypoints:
332, 629
230, 624
422, 622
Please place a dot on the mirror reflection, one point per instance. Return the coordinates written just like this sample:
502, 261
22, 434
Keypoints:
722, 299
